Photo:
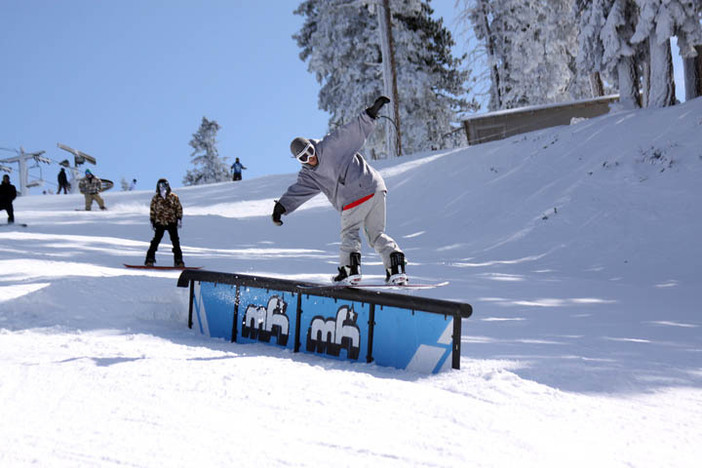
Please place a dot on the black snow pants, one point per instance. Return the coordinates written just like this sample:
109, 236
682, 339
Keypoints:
175, 240
10, 212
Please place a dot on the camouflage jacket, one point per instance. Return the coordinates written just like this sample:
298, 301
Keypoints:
165, 211
91, 186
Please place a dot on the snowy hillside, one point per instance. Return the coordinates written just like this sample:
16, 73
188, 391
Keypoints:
578, 247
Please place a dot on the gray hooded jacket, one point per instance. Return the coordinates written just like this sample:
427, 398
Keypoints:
342, 174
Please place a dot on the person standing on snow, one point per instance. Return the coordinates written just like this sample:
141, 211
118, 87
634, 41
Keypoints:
62, 182
237, 167
334, 167
166, 215
8, 193
90, 187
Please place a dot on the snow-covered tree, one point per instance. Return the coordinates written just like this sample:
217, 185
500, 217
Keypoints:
209, 167
480, 14
606, 27
659, 20
531, 47
693, 75
692, 65
592, 14
341, 43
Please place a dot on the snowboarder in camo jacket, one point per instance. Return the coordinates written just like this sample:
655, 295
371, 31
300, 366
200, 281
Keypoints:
166, 215
334, 167
90, 187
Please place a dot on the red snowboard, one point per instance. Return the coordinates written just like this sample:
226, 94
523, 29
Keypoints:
144, 267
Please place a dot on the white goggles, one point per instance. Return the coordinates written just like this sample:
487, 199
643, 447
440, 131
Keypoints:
305, 155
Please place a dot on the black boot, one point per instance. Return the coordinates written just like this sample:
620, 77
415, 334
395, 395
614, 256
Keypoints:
350, 274
396, 273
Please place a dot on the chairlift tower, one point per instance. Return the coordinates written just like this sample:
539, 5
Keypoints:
79, 158
22, 158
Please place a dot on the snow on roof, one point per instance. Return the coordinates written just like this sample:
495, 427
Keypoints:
518, 110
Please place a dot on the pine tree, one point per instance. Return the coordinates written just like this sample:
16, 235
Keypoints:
431, 77
209, 167
341, 43
620, 56
606, 27
483, 16
532, 49
659, 20
692, 69
593, 15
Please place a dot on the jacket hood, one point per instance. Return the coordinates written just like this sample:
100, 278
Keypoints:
168, 189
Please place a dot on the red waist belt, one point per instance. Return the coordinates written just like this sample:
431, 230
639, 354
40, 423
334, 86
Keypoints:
357, 202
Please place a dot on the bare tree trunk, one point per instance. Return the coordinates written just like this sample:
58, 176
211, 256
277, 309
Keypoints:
693, 75
628, 89
596, 85
395, 92
495, 92
387, 46
645, 79
662, 93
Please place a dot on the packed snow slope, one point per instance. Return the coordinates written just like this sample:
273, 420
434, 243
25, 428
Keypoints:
578, 247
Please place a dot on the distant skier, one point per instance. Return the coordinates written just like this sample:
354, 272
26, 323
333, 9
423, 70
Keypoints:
237, 167
132, 185
62, 182
166, 215
334, 167
90, 187
8, 193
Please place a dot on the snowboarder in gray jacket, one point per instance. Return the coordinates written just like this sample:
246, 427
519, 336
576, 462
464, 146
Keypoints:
335, 167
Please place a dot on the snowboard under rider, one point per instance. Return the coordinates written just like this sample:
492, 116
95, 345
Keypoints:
166, 214
334, 166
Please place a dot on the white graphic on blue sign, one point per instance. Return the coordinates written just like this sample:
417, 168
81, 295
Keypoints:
267, 316
263, 323
334, 329
402, 338
412, 340
331, 335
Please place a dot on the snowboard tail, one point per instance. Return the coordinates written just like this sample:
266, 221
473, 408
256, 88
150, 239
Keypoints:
144, 267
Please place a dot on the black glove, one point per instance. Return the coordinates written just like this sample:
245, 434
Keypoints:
278, 210
373, 110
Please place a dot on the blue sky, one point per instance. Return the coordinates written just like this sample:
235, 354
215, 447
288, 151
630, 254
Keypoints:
128, 82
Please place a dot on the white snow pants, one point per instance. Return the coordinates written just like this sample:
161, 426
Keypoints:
371, 216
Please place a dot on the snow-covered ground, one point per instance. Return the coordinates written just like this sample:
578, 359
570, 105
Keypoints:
579, 248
